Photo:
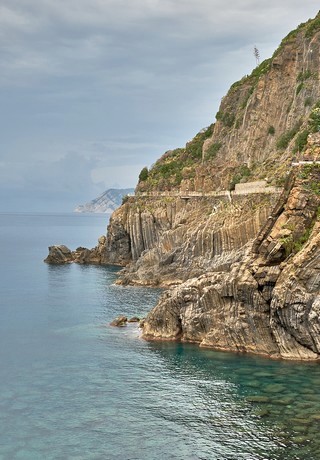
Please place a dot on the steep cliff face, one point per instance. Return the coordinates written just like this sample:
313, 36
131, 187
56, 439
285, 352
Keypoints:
268, 303
249, 264
176, 239
261, 124
208, 217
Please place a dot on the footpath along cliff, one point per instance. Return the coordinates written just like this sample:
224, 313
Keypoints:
231, 220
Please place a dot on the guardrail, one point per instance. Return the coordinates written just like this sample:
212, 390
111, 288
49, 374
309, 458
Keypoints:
220, 193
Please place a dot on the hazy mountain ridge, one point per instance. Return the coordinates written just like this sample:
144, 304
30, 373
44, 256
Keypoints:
107, 202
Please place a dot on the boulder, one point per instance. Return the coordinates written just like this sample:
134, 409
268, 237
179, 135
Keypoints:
59, 255
120, 321
134, 319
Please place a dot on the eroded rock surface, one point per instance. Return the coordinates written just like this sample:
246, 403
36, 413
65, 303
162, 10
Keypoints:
268, 303
59, 255
245, 268
62, 255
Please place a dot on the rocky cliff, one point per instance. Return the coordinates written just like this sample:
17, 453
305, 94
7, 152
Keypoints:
268, 302
244, 258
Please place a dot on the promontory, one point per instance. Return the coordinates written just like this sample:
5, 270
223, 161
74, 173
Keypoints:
230, 222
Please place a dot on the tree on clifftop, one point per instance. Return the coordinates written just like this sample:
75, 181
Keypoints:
256, 55
143, 174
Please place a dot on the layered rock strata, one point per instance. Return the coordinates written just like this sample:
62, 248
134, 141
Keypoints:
61, 254
245, 266
268, 303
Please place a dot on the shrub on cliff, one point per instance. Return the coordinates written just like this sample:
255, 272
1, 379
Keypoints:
301, 141
143, 174
242, 173
286, 137
314, 120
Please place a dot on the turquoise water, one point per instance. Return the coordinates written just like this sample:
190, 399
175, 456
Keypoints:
71, 387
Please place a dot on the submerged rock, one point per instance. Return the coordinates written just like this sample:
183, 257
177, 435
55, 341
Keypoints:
258, 399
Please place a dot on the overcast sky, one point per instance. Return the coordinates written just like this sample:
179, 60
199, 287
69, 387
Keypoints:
93, 90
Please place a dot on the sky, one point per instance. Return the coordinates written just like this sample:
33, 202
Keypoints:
92, 91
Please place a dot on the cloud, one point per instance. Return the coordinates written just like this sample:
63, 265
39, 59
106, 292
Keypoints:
42, 37
96, 89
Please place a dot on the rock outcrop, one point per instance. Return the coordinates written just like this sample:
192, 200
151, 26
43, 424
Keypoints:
268, 303
176, 240
243, 262
60, 254
120, 321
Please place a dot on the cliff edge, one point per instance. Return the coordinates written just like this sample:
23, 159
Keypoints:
230, 221
269, 302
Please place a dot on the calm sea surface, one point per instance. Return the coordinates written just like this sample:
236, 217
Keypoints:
71, 387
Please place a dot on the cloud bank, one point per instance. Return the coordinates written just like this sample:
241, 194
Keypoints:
94, 90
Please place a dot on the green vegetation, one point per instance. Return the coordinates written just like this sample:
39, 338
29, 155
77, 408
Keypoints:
299, 87
312, 26
304, 75
125, 198
194, 147
226, 118
257, 72
238, 122
213, 150
178, 164
242, 173
305, 171
311, 175
301, 78
288, 244
271, 130
289, 38
165, 170
285, 138
314, 119
309, 27
314, 186
302, 240
144, 173
302, 136
292, 246
308, 101
245, 101
262, 69
301, 141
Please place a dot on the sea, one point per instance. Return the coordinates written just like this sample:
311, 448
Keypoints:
73, 387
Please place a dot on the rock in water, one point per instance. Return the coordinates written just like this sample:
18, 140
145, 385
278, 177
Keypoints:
120, 321
59, 255
134, 319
